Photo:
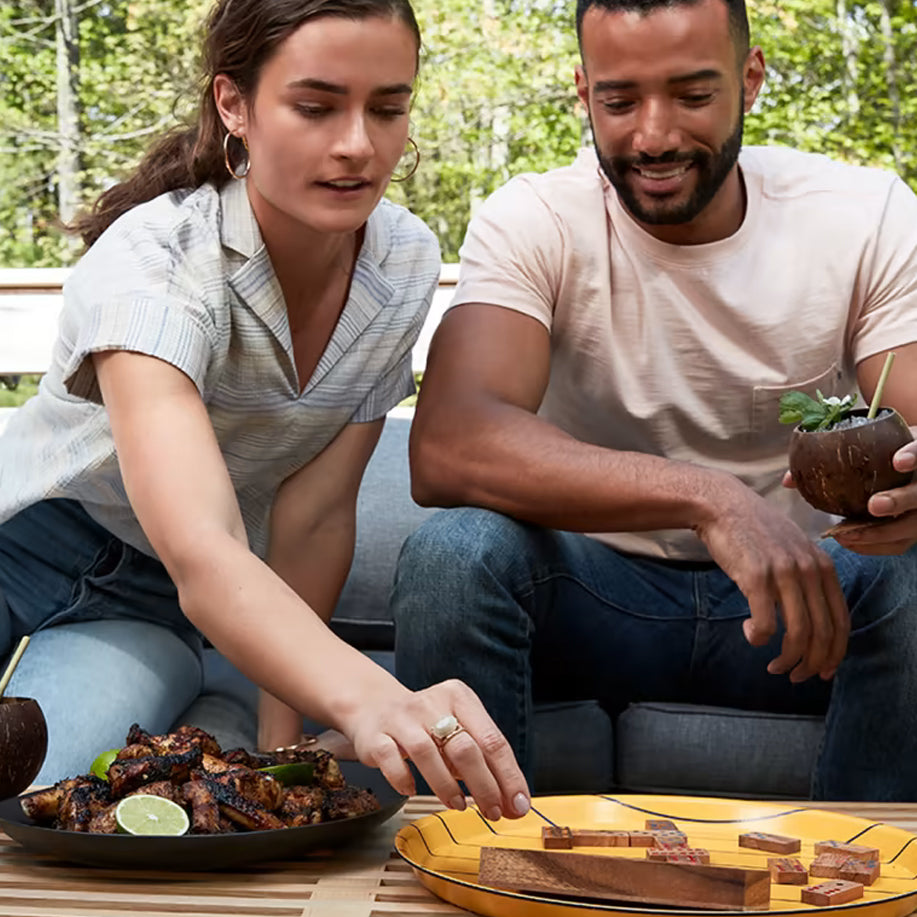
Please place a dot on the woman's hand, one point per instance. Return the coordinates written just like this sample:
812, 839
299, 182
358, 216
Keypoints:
386, 730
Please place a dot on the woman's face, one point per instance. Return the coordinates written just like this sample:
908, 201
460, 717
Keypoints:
329, 122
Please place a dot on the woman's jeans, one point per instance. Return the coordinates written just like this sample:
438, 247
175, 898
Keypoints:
109, 644
524, 614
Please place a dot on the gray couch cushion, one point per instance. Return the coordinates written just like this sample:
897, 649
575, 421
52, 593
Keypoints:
693, 749
573, 751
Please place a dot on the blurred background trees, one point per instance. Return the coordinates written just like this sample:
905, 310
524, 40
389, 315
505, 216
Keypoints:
85, 84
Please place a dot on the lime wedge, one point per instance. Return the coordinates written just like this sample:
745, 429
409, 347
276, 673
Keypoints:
297, 774
102, 763
147, 814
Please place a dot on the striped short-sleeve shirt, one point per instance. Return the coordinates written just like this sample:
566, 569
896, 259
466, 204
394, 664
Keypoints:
186, 278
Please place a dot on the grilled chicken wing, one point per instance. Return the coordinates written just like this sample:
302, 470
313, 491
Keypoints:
127, 776
179, 741
205, 813
349, 801
252, 759
164, 788
325, 766
302, 805
81, 802
261, 789
104, 821
212, 765
240, 810
134, 751
43, 805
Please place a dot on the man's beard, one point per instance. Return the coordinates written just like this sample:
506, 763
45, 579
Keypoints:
712, 170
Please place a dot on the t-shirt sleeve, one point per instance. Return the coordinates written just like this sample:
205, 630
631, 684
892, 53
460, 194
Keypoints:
511, 253
131, 292
888, 279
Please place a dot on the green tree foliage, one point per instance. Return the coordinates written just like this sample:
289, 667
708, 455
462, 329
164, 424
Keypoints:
828, 95
496, 97
137, 65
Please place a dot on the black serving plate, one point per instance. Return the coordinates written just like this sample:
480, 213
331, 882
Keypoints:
204, 851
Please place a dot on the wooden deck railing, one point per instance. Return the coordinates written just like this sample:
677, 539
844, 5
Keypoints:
30, 301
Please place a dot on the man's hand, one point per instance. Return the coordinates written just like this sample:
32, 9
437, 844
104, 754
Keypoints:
780, 571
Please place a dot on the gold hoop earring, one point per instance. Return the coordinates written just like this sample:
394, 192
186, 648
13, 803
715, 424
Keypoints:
240, 171
416, 162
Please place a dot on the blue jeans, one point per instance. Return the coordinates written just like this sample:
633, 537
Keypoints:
109, 644
524, 614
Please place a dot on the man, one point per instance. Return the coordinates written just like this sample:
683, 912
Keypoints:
621, 335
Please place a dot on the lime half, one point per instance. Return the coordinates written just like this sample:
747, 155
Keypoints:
299, 773
103, 762
147, 814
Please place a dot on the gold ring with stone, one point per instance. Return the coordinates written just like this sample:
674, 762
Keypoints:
444, 729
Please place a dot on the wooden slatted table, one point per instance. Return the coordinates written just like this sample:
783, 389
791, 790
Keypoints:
366, 879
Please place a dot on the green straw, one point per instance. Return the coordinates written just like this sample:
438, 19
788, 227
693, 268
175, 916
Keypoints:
876, 398
8, 674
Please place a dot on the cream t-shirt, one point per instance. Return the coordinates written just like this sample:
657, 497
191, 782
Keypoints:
684, 351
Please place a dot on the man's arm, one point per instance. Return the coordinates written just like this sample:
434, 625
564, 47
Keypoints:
476, 440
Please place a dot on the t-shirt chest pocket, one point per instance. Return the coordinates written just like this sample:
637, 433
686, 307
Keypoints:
765, 411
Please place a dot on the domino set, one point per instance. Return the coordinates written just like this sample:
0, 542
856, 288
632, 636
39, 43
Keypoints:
676, 873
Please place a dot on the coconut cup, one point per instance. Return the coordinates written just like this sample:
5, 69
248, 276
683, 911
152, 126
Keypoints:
23, 743
839, 469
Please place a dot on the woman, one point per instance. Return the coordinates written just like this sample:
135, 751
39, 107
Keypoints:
229, 346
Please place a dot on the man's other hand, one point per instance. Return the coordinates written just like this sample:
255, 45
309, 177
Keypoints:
780, 571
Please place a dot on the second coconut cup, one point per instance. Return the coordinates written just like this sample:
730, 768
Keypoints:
837, 470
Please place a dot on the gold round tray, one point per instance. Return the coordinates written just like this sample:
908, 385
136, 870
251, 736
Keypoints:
444, 851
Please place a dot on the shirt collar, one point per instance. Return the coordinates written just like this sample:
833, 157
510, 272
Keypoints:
256, 283
239, 230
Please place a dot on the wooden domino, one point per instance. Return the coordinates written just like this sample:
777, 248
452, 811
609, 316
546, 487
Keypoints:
864, 871
641, 839
658, 853
587, 837
774, 843
787, 871
618, 878
554, 837
852, 850
837, 891
678, 854
660, 824
669, 839
828, 865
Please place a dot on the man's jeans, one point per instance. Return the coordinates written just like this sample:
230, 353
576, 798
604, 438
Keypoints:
522, 614
109, 646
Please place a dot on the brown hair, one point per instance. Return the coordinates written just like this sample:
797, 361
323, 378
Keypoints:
241, 35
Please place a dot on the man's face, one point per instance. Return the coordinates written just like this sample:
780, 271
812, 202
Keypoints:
667, 100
